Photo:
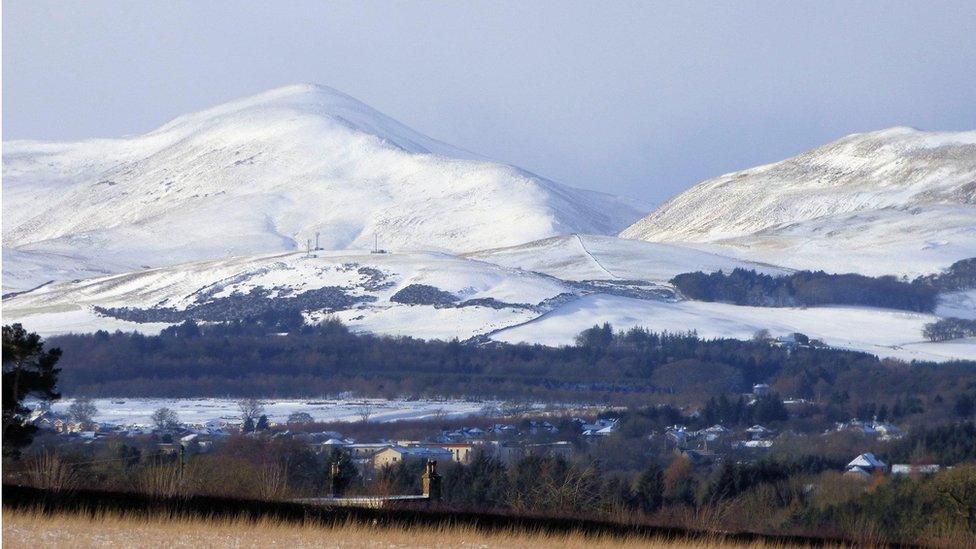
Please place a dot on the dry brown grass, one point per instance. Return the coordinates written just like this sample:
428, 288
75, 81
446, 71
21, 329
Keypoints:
37, 530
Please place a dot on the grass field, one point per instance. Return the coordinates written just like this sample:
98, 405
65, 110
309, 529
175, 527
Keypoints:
27, 529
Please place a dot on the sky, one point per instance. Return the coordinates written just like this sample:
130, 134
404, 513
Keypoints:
642, 99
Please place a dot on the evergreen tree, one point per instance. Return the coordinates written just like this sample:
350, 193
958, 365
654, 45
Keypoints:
648, 492
28, 370
769, 408
965, 405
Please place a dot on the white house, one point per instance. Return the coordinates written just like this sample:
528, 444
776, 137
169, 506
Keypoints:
865, 465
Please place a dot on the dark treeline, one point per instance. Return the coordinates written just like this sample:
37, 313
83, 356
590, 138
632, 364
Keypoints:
243, 359
806, 289
637, 366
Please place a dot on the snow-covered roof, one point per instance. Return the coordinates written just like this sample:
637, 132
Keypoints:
420, 451
867, 460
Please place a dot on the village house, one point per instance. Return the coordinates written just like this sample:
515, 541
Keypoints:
758, 432
536, 427
561, 449
506, 452
715, 432
397, 454
879, 430
501, 429
464, 434
599, 428
460, 452
864, 466
753, 444
319, 437
677, 436
332, 444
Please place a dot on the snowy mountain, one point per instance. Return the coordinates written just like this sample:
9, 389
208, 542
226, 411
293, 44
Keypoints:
897, 201
207, 218
265, 174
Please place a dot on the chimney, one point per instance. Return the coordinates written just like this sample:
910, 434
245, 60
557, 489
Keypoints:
336, 480
432, 482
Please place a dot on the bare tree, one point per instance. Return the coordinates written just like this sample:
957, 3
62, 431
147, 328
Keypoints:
515, 409
165, 480
82, 410
251, 409
50, 472
165, 419
272, 481
365, 411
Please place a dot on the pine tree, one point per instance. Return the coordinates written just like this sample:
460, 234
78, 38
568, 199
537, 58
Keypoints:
28, 370
649, 489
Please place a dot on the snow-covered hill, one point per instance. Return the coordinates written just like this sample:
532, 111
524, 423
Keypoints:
897, 201
403, 293
265, 174
442, 296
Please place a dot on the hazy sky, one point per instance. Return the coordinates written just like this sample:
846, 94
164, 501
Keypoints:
636, 98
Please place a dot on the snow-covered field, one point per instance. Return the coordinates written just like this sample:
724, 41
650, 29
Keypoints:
882, 332
192, 411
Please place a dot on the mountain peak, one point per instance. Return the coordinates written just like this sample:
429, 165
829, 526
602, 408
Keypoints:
268, 173
298, 104
895, 192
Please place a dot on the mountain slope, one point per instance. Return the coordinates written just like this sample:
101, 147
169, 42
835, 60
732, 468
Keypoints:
893, 201
590, 257
267, 173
